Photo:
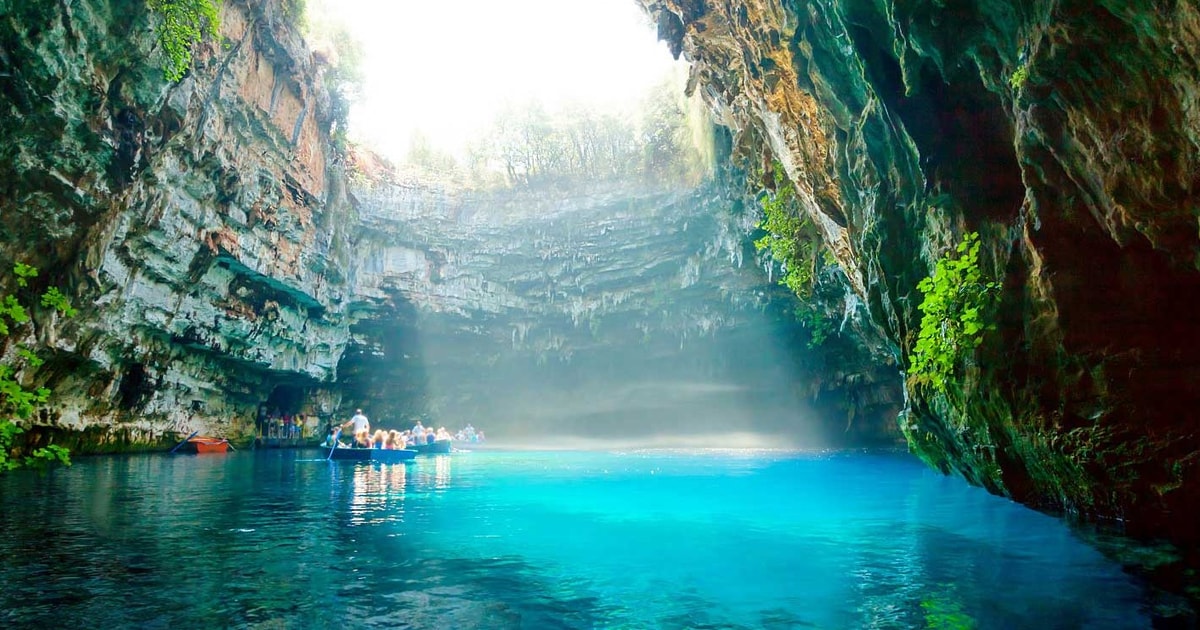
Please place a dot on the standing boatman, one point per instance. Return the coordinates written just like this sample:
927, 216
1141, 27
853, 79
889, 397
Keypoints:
362, 428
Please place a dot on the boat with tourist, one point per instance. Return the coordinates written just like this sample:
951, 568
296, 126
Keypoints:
381, 455
418, 441
432, 448
371, 451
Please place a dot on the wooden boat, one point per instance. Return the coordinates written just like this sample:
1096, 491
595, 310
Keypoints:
207, 445
382, 455
439, 446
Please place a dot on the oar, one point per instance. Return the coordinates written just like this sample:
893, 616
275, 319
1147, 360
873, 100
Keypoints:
230, 445
183, 442
333, 446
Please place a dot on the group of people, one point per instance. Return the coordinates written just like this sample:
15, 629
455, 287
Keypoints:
469, 434
284, 425
360, 427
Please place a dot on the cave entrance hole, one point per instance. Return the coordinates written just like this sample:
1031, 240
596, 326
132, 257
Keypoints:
277, 415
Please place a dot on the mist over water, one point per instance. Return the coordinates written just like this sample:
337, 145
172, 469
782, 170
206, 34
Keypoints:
713, 392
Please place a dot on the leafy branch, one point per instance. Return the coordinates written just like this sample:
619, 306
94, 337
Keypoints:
957, 301
184, 24
791, 240
794, 243
16, 402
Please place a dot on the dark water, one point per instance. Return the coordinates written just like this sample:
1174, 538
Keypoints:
655, 539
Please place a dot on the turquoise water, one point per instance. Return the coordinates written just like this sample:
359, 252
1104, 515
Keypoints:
654, 539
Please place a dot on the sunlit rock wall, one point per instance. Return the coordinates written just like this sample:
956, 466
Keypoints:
1066, 133
199, 227
615, 311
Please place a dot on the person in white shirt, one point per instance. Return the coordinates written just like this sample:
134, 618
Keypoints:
361, 428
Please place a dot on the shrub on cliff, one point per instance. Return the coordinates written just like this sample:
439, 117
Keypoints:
954, 315
184, 23
16, 402
791, 240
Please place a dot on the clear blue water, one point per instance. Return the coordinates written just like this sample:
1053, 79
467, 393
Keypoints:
654, 539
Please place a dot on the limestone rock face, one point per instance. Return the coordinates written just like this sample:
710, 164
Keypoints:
200, 227
1066, 134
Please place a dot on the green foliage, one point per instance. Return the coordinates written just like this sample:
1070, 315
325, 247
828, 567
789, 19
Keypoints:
24, 273
817, 324
12, 309
1018, 78
344, 78
49, 454
957, 302
792, 241
8, 433
184, 23
16, 402
53, 298
32, 359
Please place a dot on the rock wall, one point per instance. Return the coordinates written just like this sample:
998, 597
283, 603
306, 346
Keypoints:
1066, 134
200, 227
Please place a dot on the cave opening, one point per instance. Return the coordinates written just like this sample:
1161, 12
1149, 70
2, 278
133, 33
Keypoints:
284, 400
135, 388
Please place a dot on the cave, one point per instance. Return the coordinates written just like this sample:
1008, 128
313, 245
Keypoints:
284, 400
135, 388
596, 288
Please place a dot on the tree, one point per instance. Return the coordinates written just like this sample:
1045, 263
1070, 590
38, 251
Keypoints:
17, 403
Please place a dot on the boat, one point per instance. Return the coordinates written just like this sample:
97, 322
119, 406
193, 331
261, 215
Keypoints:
439, 446
200, 445
382, 455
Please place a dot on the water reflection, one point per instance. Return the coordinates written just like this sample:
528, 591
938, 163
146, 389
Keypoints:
441, 472
526, 540
377, 494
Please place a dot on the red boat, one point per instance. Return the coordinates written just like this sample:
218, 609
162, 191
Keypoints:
208, 445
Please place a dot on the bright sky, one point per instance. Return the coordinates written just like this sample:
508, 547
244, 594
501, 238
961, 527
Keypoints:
445, 67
